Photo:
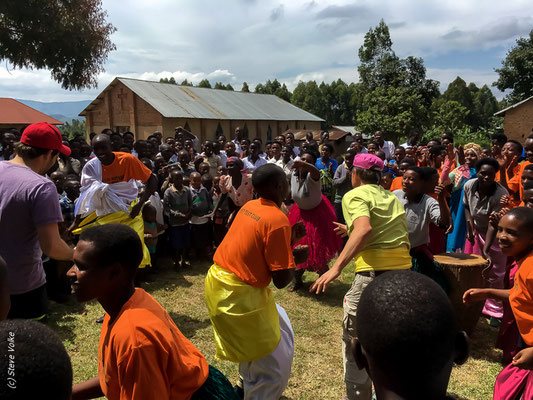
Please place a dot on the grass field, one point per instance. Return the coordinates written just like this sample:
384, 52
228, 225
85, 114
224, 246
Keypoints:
316, 320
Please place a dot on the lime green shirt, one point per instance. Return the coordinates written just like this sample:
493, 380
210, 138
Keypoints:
386, 213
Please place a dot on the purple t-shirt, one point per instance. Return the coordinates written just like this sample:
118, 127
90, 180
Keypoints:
27, 201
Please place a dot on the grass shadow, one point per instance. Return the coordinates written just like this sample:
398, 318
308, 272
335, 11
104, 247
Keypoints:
483, 341
187, 325
456, 396
333, 296
61, 318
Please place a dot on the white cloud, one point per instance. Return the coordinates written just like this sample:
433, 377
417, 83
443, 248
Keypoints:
246, 40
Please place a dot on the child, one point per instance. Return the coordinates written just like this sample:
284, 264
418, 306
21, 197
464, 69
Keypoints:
207, 182
421, 210
527, 198
41, 366
416, 363
142, 354
67, 203
152, 230
201, 227
203, 168
177, 204
221, 212
515, 238
249, 327
318, 216
402, 167
386, 180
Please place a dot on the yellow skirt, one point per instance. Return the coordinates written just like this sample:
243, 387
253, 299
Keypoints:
119, 217
245, 318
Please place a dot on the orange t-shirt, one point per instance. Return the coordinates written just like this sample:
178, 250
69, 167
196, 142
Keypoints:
124, 167
521, 299
143, 355
515, 183
257, 243
396, 184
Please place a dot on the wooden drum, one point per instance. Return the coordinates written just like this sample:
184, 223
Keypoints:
463, 272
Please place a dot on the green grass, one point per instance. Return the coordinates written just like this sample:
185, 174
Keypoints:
316, 320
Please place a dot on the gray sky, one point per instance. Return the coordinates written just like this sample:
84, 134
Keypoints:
232, 41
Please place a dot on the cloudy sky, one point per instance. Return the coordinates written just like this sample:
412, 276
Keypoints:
233, 41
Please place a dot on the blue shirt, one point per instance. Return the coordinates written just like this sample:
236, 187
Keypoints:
320, 165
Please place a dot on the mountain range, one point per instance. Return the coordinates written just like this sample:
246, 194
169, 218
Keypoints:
64, 111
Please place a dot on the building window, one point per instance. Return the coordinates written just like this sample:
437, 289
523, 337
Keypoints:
219, 131
269, 134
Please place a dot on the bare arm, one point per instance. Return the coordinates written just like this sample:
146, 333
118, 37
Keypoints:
472, 295
52, 244
445, 216
150, 188
303, 167
356, 242
87, 390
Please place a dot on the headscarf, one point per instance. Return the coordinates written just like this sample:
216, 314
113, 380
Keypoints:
476, 148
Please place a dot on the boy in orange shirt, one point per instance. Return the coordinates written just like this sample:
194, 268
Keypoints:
516, 240
249, 327
142, 354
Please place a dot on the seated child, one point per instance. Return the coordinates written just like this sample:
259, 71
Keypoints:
414, 360
142, 354
152, 230
35, 364
201, 227
516, 240
177, 205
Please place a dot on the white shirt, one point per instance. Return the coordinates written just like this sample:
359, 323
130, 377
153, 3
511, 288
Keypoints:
250, 166
388, 149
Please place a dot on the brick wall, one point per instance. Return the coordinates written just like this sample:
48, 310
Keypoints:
518, 121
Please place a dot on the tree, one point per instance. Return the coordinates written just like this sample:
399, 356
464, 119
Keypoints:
309, 97
68, 37
168, 80
395, 110
449, 116
186, 83
75, 128
516, 72
381, 67
229, 87
204, 83
245, 88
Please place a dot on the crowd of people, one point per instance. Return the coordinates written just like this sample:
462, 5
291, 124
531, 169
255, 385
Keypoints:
97, 216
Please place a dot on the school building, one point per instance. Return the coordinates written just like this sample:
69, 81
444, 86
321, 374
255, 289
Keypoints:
518, 120
143, 107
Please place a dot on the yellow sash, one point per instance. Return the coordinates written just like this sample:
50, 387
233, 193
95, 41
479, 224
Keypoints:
245, 318
383, 259
119, 217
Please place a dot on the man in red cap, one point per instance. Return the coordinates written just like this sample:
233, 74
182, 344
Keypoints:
29, 214
378, 242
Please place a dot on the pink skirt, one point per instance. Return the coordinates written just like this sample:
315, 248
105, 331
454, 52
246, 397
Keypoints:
323, 243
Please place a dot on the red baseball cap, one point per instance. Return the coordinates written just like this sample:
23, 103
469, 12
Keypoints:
44, 136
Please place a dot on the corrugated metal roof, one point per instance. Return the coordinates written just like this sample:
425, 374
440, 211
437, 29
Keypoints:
174, 101
13, 112
502, 112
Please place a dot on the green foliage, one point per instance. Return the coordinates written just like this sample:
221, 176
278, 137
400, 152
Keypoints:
75, 128
186, 83
204, 83
381, 67
449, 116
221, 86
274, 87
516, 72
245, 88
68, 37
168, 80
394, 110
